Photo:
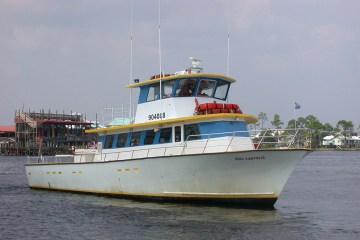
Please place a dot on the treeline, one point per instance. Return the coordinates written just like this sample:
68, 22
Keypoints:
318, 129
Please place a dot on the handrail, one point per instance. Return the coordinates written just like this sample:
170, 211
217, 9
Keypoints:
261, 140
293, 138
278, 138
232, 137
206, 143
209, 137
27, 119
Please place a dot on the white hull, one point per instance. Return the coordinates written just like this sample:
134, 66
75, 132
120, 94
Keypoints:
242, 176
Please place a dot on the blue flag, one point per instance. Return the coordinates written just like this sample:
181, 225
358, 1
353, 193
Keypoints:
297, 106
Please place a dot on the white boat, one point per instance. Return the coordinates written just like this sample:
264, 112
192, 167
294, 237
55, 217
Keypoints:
187, 143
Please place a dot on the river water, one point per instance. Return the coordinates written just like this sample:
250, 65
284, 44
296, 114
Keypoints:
321, 200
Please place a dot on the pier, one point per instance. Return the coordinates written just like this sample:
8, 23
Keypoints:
47, 134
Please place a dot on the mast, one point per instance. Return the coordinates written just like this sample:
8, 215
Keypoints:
131, 59
228, 55
161, 75
228, 50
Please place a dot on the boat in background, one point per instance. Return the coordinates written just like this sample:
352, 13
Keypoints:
186, 143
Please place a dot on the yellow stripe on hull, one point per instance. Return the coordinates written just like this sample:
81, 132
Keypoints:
174, 194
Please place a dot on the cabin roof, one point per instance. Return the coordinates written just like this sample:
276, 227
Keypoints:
247, 118
180, 76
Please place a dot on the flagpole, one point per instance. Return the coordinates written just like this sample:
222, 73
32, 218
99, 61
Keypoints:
295, 117
296, 107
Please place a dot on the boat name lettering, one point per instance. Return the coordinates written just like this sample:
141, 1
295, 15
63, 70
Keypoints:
250, 158
156, 116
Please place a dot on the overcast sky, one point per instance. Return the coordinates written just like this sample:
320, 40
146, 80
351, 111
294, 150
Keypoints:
75, 55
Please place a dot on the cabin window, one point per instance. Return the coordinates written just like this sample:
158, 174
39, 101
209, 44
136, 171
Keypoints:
167, 87
109, 141
177, 134
121, 141
135, 139
206, 88
222, 89
226, 128
165, 135
186, 87
154, 92
192, 132
149, 137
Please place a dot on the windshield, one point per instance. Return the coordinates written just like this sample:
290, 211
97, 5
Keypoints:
206, 88
222, 89
186, 88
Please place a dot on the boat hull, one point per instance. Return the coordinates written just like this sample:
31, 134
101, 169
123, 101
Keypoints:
245, 177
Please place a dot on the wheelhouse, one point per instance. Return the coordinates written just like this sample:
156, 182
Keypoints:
195, 85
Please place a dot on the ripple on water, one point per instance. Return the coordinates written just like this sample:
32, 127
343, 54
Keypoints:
320, 201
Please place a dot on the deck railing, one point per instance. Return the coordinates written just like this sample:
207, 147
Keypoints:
282, 138
200, 144
50, 159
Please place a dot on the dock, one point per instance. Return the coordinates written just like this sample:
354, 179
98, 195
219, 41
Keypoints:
47, 133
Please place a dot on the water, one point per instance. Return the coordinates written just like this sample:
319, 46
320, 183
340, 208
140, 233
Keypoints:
320, 201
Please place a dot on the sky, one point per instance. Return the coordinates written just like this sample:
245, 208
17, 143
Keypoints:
74, 56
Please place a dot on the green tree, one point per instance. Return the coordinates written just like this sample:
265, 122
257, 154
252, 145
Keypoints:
300, 123
327, 127
276, 122
262, 118
313, 123
316, 127
291, 124
346, 128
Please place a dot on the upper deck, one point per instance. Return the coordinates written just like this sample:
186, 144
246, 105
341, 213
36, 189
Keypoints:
168, 77
178, 95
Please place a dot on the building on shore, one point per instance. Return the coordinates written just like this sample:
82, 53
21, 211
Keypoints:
7, 139
48, 134
340, 141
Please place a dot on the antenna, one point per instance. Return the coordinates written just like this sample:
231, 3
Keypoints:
131, 58
160, 63
228, 49
228, 55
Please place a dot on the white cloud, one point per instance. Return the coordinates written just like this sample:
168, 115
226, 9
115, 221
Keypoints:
29, 38
332, 36
243, 14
